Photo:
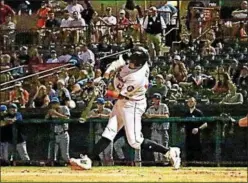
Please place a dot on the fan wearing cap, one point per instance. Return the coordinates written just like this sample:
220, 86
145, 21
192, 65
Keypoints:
8, 118
154, 26
102, 112
53, 58
159, 87
123, 23
178, 69
60, 131
159, 130
19, 95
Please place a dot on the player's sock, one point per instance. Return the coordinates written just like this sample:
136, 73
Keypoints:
153, 146
99, 147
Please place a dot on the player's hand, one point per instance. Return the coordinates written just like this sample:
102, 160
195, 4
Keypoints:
195, 131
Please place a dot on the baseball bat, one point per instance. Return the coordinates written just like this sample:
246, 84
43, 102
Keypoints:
86, 111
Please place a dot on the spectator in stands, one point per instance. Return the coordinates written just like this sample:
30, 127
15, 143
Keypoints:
243, 78
73, 86
192, 130
241, 33
101, 111
86, 56
50, 91
13, 116
19, 95
88, 90
159, 130
169, 13
222, 83
65, 56
159, 87
208, 49
41, 98
16, 63
5, 64
62, 138
52, 22
5, 11
24, 56
24, 8
123, 23
178, 69
107, 24
98, 76
75, 6
234, 70
35, 59
53, 58
232, 98
8, 28
42, 14
63, 75
197, 78
62, 92
78, 25
154, 26
242, 12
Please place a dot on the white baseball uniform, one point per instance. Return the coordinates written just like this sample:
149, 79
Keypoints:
127, 112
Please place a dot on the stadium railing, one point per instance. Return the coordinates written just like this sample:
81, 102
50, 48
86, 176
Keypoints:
82, 138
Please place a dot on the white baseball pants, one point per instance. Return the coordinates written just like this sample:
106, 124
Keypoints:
128, 114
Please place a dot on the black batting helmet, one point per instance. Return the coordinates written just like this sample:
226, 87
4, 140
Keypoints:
139, 56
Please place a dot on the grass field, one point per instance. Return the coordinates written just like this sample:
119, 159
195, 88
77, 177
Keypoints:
123, 174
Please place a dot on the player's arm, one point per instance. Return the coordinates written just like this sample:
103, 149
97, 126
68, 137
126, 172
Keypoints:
114, 66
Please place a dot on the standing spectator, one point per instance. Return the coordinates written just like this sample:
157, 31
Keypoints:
123, 23
65, 22
13, 116
77, 25
74, 6
193, 148
24, 8
19, 95
5, 11
101, 112
107, 24
9, 30
52, 22
154, 26
169, 13
42, 14
159, 130
61, 136
86, 56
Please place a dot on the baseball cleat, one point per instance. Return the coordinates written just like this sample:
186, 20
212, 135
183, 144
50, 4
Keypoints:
174, 157
83, 163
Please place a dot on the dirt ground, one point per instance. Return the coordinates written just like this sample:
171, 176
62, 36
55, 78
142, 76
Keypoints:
123, 174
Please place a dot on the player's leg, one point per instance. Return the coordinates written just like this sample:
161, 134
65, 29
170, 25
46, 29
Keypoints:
113, 126
132, 123
64, 146
22, 150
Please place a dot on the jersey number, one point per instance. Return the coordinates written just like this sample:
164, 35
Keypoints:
119, 86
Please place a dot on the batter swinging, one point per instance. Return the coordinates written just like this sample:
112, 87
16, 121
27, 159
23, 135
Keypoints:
131, 83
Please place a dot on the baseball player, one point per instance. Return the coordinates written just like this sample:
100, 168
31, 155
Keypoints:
61, 135
102, 112
131, 83
159, 130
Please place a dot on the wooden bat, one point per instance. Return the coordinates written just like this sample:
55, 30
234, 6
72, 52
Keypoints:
86, 111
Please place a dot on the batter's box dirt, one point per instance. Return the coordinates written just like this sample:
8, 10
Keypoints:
123, 174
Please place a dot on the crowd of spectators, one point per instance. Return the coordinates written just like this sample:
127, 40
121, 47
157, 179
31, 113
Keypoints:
211, 70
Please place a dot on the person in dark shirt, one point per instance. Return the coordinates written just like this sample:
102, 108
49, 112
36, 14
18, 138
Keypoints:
23, 56
7, 121
52, 22
192, 132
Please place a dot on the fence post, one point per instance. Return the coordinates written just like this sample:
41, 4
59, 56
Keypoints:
218, 143
91, 137
174, 133
14, 143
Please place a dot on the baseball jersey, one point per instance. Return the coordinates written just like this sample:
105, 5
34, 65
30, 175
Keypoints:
60, 128
132, 83
161, 110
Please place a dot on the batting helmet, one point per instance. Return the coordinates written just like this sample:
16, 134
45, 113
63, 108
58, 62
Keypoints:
139, 56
